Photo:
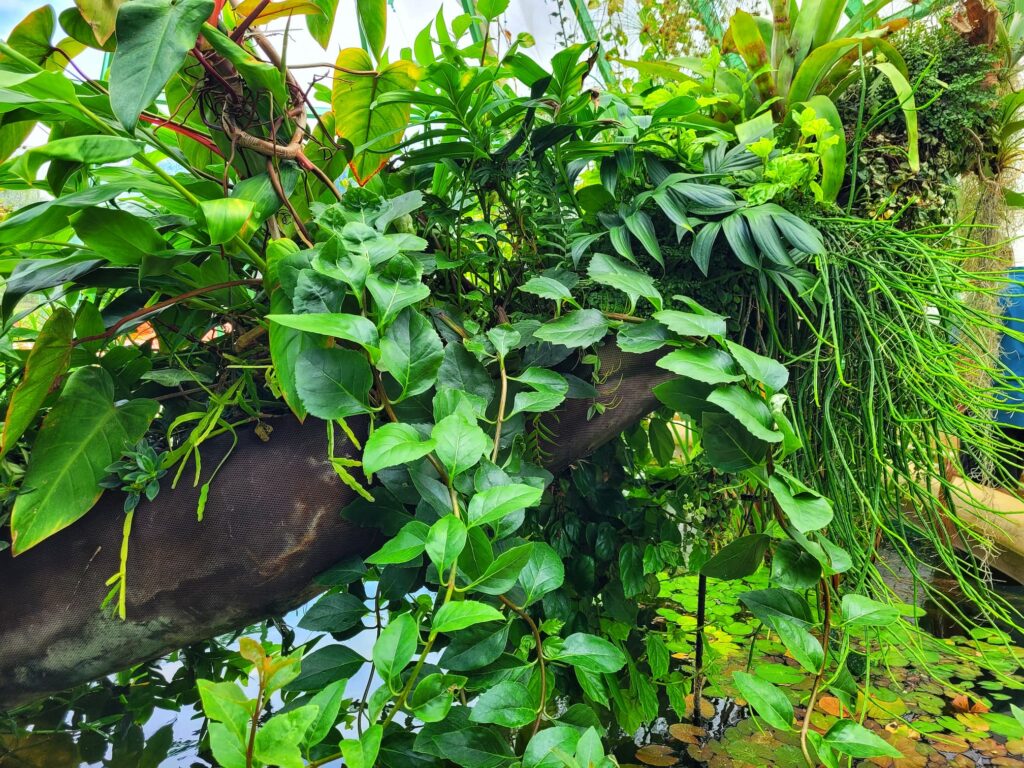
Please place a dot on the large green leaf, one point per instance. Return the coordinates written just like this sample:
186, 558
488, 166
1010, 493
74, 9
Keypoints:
372, 130
153, 38
393, 444
707, 364
748, 409
767, 700
258, 75
460, 443
101, 15
738, 558
411, 352
508, 704
395, 646
76, 149
47, 361
855, 740
581, 328
634, 283
118, 236
82, 436
333, 383
354, 328
373, 24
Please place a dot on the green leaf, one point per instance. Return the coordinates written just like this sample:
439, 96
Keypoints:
706, 364
474, 648
372, 129
354, 328
432, 699
460, 443
226, 703
738, 559
609, 271
461, 371
771, 373
692, 323
334, 613
862, 611
657, 655
544, 748
403, 547
640, 338
74, 149
373, 24
492, 504
82, 436
640, 224
445, 542
225, 218
394, 444
153, 38
748, 409
411, 351
857, 741
728, 445
543, 573
806, 510
768, 701
396, 646
491, 9
325, 666
227, 747
333, 383
905, 93
118, 236
547, 288
396, 287
278, 739
508, 704
581, 328
801, 644
451, 617
793, 567
47, 361
328, 704
501, 575
592, 653
590, 750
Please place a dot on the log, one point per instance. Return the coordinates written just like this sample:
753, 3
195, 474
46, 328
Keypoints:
271, 524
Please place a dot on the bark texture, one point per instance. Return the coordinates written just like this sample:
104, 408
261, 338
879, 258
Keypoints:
271, 525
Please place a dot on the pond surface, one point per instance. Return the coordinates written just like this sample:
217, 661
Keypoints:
928, 697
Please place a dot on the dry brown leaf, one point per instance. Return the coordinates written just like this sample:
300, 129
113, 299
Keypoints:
685, 732
657, 754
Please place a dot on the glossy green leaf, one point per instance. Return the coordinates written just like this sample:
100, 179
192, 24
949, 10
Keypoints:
396, 645
118, 236
47, 361
855, 740
738, 558
82, 436
769, 702
543, 573
460, 443
590, 652
373, 24
793, 567
508, 704
692, 323
608, 271
806, 510
706, 364
492, 504
74, 149
403, 547
445, 542
411, 352
862, 611
226, 703
454, 616
354, 328
581, 328
333, 383
258, 75
544, 748
728, 445
765, 370
328, 704
334, 613
501, 575
278, 739
394, 444
225, 218
748, 409
153, 38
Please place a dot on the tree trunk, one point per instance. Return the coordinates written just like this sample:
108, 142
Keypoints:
271, 525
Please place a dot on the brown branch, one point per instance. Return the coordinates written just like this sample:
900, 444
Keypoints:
275, 182
540, 659
140, 313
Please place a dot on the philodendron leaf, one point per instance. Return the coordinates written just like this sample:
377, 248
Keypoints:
768, 701
153, 38
47, 361
372, 129
82, 436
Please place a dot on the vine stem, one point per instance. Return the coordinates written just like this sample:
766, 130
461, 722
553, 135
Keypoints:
501, 410
540, 659
112, 330
826, 600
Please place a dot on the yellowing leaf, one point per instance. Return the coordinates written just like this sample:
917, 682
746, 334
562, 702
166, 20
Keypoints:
372, 129
276, 10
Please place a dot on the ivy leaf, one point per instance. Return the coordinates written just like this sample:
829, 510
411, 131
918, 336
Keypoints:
862, 611
451, 617
403, 547
81, 436
581, 328
354, 328
460, 443
47, 361
737, 559
748, 409
857, 741
806, 510
693, 324
490, 505
278, 739
590, 652
445, 542
608, 271
508, 704
543, 573
333, 383
153, 38
768, 701
395, 647
394, 444
706, 364
771, 373
411, 351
